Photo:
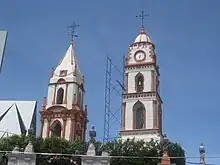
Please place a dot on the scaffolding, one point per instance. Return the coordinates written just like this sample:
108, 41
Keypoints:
114, 86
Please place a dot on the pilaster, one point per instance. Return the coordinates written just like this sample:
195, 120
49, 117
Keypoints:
123, 115
48, 127
72, 130
64, 128
155, 121
66, 92
41, 127
54, 95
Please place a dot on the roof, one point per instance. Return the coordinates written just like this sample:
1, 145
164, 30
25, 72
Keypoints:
3, 38
142, 37
16, 117
68, 62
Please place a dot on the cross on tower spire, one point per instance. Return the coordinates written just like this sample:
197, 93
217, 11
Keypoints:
141, 17
72, 30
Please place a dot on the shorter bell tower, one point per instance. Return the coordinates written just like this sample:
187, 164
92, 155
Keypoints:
63, 113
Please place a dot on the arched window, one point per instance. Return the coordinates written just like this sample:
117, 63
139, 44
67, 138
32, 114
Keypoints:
139, 115
139, 82
61, 81
60, 94
56, 128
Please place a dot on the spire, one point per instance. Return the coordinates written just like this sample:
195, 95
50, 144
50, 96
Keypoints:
72, 31
68, 63
142, 31
142, 37
141, 17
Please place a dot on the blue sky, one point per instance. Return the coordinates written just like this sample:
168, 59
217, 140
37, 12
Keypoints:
186, 35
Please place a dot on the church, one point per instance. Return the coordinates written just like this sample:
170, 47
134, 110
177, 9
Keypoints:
64, 115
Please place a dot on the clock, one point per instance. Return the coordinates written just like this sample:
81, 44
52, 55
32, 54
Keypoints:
139, 56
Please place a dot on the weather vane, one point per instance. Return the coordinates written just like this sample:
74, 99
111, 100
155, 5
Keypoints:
141, 17
72, 30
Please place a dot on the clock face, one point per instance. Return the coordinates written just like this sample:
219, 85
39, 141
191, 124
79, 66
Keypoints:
139, 56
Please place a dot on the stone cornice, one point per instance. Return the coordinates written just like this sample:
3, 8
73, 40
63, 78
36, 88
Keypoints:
141, 44
149, 95
62, 112
81, 86
143, 65
139, 132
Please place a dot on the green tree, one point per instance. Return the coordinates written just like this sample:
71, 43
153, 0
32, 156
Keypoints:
138, 150
9, 143
118, 148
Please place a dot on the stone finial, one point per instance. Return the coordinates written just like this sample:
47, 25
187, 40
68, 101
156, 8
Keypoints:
44, 103
165, 143
92, 135
52, 72
201, 148
202, 153
86, 110
91, 149
15, 150
104, 153
29, 147
142, 31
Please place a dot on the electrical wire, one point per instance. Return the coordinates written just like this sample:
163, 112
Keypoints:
125, 157
197, 163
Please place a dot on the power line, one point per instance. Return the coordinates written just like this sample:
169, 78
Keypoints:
125, 157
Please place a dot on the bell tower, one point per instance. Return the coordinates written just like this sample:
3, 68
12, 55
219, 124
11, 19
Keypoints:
141, 112
63, 113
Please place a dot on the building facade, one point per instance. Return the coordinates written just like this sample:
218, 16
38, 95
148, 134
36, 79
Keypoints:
17, 117
141, 112
63, 113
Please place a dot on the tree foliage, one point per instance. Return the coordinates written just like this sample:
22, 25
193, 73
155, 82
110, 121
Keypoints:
139, 150
129, 148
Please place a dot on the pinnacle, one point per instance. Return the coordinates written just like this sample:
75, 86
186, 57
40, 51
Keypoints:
142, 31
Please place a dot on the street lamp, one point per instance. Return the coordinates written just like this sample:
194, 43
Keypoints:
202, 153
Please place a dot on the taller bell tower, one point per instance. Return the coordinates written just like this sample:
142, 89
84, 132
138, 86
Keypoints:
142, 113
63, 113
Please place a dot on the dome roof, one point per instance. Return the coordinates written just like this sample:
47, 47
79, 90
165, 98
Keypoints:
142, 37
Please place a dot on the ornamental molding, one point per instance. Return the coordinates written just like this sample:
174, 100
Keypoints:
139, 45
146, 95
63, 113
140, 132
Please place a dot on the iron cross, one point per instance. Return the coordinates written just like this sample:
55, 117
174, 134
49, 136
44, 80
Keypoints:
141, 17
72, 30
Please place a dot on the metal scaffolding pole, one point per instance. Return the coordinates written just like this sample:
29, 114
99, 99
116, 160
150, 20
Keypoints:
111, 85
